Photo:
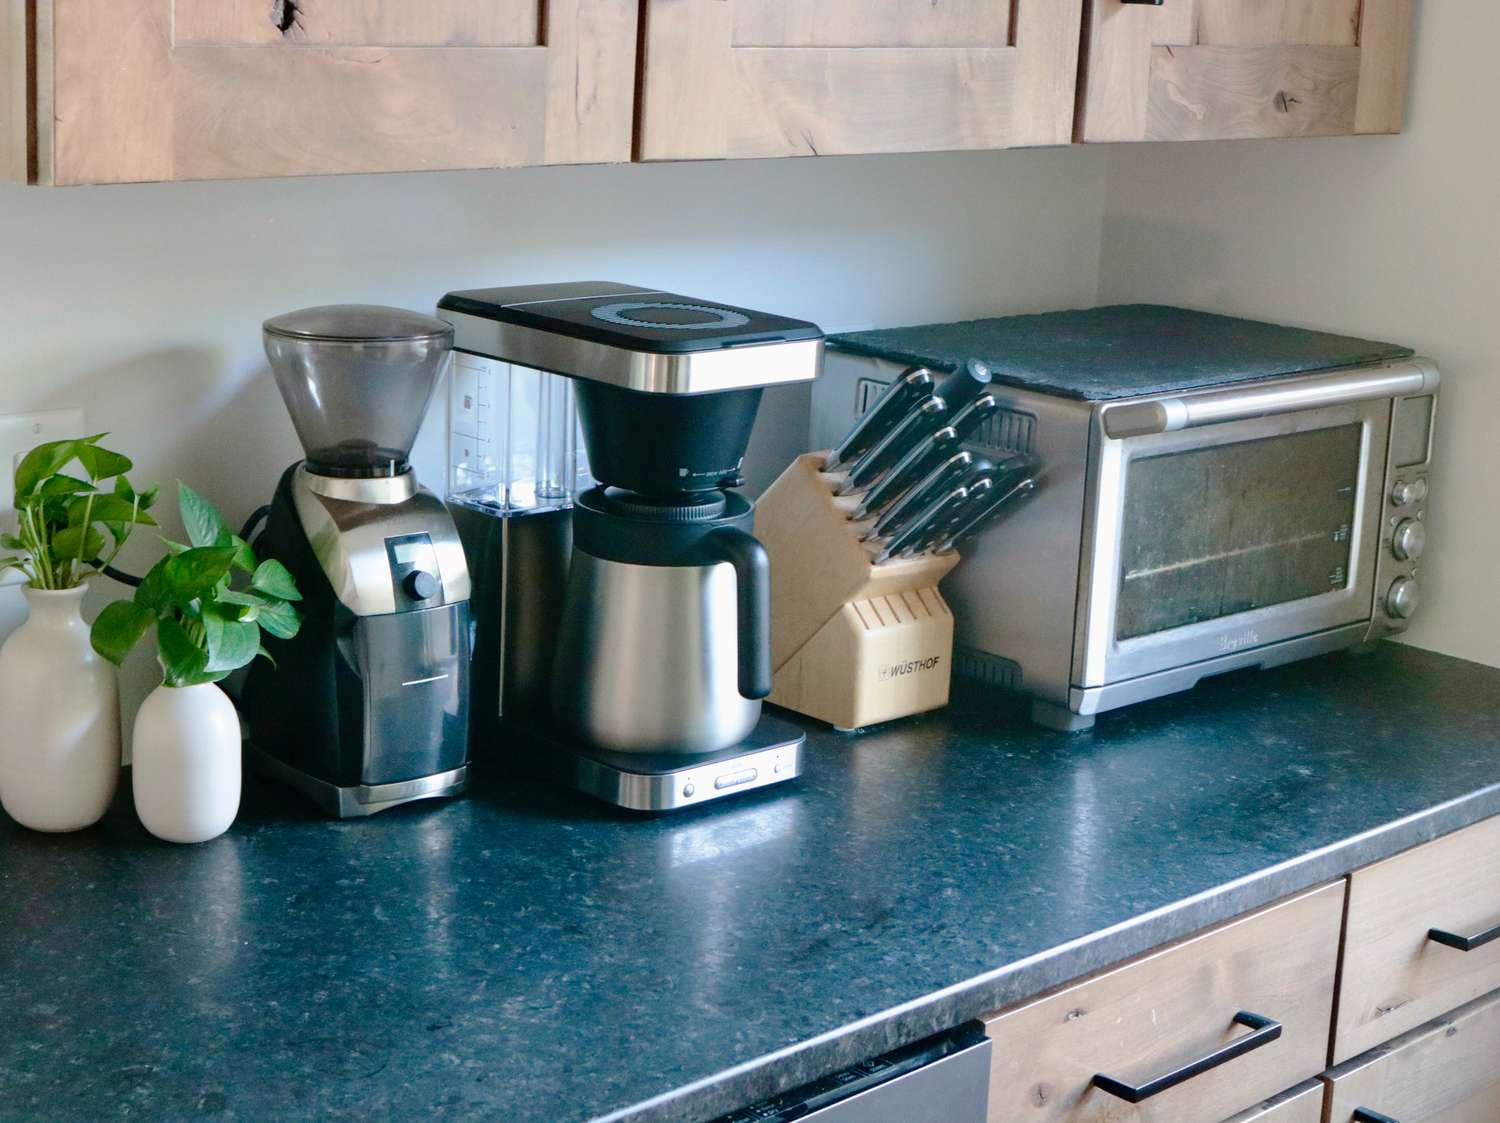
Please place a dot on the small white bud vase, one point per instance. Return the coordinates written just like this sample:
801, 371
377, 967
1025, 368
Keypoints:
185, 763
59, 718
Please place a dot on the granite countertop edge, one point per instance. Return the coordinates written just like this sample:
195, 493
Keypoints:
1033, 975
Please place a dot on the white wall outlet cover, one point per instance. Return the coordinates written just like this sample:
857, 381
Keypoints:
19, 434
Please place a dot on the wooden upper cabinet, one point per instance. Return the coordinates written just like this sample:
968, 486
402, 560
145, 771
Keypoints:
1226, 69
132, 90
747, 78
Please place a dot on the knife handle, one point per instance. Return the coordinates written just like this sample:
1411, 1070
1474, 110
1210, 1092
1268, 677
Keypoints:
968, 420
927, 414
881, 417
976, 520
906, 472
964, 384
903, 542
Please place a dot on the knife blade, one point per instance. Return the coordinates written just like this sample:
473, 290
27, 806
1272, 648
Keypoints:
938, 510
926, 455
927, 415
964, 384
959, 468
974, 520
881, 417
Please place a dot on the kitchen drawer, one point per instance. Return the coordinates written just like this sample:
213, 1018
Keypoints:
1396, 977
1172, 1007
1302, 1104
1442, 1072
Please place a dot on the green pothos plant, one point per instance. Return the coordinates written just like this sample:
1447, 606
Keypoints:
72, 524
209, 601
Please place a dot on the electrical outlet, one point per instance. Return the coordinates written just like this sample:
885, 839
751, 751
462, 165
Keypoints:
19, 434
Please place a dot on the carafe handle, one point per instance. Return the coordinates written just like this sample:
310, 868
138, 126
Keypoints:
752, 570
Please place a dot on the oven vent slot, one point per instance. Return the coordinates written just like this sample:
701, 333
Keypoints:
992, 670
1007, 430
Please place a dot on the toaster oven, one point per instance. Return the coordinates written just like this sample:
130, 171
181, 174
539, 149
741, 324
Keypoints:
1177, 535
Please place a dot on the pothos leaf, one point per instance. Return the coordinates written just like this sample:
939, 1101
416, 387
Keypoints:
274, 579
205, 526
231, 643
280, 619
100, 463
119, 628
183, 662
42, 462
77, 543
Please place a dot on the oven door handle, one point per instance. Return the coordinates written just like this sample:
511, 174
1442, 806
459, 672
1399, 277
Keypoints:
1359, 384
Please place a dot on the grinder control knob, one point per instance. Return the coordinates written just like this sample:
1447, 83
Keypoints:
420, 585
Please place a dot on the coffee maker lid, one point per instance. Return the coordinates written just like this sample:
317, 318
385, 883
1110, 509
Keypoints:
357, 323
636, 338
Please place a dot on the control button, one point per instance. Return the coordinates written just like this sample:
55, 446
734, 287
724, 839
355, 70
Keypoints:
420, 585
1404, 597
1409, 540
688, 791
1409, 491
735, 779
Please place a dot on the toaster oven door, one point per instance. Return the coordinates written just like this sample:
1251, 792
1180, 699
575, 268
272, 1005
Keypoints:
1216, 539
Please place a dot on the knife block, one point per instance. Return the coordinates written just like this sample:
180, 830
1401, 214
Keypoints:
852, 643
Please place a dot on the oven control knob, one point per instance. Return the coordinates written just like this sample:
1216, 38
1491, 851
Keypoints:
1404, 597
1409, 540
1409, 491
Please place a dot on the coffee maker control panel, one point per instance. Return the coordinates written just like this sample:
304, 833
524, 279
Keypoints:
414, 571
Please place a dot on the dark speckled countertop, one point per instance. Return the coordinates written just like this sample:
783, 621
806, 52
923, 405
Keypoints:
526, 955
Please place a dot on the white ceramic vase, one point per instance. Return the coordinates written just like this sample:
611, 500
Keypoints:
59, 718
185, 763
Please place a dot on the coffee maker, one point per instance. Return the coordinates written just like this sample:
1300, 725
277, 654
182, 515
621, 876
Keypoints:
367, 707
659, 648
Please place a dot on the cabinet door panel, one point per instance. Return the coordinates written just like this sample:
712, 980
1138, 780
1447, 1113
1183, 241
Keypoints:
750, 78
195, 89
1441, 1072
870, 23
1229, 69
359, 23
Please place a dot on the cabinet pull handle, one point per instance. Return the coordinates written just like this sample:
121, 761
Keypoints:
1464, 943
1266, 1030
1365, 1115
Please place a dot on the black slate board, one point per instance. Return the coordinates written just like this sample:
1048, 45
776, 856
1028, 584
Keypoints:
1120, 351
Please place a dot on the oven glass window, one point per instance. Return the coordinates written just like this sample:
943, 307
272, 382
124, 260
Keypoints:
1215, 531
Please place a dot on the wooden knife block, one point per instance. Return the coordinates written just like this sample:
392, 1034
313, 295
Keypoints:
852, 643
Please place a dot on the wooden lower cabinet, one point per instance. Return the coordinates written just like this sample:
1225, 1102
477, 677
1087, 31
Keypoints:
1396, 976
1161, 1012
1447, 1071
1302, 1104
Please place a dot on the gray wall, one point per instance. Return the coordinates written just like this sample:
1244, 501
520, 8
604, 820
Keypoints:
142, 304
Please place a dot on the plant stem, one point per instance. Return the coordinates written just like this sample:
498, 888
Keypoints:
135, 510
83, 538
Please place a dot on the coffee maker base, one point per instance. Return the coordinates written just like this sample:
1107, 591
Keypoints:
360, 799
771, 754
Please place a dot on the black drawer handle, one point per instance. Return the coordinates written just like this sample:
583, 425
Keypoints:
1266, 1030
1365, 1115
1464, 943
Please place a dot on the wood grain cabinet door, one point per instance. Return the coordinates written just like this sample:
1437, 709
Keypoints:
1447, 1071
749, 78
133, 90
1230, 69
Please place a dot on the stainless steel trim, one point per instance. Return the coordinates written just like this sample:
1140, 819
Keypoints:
361, 799
1210, 407
694, 372
693, 784
1097, 699
348, 539
372, 490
